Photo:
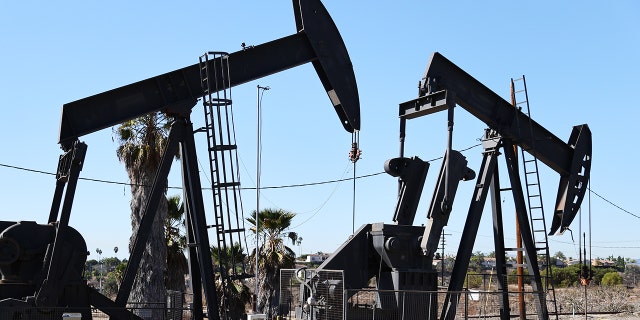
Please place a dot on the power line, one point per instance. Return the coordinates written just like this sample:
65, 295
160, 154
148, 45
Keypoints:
613, 204
204, 188
299, 184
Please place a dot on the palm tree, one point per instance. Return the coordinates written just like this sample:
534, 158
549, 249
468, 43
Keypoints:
273, 254
141, 143
176, 241
237, 293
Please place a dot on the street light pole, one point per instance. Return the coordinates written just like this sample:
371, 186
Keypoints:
99, 252
258, 169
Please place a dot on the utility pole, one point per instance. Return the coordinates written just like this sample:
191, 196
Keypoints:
99, 252
443, 259
519, 257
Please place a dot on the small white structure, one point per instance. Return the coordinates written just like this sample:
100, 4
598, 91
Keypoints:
317, 258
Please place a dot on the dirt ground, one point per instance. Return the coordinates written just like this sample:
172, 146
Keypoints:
619, 316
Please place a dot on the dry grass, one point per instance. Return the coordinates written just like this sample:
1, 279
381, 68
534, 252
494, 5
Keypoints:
600, 299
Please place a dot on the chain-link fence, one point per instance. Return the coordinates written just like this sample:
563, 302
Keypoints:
310, 294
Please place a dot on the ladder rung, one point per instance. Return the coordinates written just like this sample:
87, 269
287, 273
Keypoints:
234, 230
532, 208
534, 196
226, 184
514, 249
530, 160
537, 219
224, 147
217, 103
505, 189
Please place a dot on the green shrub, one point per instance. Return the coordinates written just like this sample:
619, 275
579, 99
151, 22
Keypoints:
473, 280
611, 279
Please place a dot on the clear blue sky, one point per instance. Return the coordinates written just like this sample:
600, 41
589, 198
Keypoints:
580, 60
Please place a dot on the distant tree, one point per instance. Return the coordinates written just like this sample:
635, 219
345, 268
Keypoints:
89, 266
619, 263
448, 264
565, 277
110, 285
560, 256
119, 272
110, 263
476, 261
473, 280
513, 276
611, 279
599, 273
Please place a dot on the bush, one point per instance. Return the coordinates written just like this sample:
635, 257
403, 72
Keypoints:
611, 279
513, 277
473, 280
598, 273
565, 277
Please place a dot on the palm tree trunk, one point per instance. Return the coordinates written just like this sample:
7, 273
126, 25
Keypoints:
148, 292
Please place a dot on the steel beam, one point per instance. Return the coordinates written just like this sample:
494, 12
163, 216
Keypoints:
444, 84
317, 41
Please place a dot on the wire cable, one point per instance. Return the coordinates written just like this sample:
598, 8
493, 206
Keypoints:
302, 184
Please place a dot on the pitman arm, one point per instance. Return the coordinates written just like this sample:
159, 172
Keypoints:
437, 219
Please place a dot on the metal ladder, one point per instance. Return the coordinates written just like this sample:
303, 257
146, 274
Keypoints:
520, 99
223, 159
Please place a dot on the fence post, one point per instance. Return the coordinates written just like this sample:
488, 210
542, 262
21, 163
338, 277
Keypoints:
466, 304
344, 304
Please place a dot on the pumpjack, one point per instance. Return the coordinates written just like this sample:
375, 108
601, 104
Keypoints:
399, 256
42, 264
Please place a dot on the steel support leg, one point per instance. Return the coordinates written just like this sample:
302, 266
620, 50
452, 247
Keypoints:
525, 230
498, 240
469, 234
49, 292
194, 268
195, 206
